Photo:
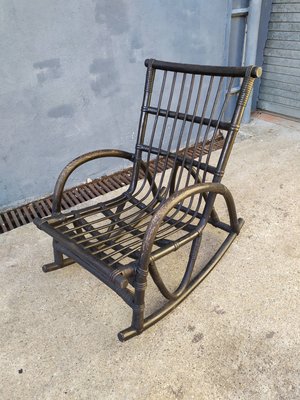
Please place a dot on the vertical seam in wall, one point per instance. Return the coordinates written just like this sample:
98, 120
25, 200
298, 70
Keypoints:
227, 32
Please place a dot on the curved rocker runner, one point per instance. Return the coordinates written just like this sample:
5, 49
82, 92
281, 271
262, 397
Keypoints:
170, 200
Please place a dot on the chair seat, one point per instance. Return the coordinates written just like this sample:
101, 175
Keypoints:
113, 231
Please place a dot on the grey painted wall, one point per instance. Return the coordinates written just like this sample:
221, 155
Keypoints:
72, 74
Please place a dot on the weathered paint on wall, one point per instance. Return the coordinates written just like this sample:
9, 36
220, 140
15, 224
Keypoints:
72, 74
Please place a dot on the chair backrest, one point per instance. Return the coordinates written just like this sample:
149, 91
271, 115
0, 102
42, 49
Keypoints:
187, 110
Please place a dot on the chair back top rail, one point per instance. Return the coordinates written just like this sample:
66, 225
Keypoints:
204, 69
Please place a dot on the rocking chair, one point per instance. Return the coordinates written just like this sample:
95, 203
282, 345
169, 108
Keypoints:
170, 199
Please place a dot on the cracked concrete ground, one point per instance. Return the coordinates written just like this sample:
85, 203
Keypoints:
237, 336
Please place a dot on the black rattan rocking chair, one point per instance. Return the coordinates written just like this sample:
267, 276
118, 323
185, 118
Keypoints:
171, 196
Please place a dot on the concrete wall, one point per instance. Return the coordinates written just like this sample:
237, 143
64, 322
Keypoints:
72, 74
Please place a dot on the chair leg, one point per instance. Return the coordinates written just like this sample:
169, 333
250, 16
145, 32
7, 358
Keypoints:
138, 318
59, 261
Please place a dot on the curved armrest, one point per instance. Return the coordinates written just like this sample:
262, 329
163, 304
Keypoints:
170, 203
77, 162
